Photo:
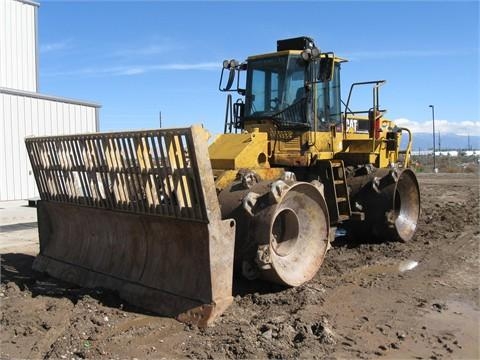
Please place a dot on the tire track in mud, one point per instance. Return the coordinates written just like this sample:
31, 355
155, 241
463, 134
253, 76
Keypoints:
43, 347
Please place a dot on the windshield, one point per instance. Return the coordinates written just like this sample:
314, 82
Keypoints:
273, 85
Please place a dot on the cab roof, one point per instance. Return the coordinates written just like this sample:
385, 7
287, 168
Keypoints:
289, 52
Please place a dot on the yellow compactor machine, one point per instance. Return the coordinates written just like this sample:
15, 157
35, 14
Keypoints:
164, 218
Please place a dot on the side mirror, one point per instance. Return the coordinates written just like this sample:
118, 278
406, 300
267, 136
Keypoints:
231, 78
322, 68
327, 66
233, 68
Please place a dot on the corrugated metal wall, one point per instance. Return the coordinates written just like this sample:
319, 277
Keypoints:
23, 112
18, 65
22, 115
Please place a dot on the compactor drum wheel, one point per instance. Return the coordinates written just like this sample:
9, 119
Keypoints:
391, 203
282, 230
406, 206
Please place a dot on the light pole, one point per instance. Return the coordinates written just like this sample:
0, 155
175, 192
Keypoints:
433, 122
439, 144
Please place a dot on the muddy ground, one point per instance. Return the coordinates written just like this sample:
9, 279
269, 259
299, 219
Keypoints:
360, 305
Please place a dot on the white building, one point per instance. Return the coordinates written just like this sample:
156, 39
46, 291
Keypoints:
23, 110
452, 153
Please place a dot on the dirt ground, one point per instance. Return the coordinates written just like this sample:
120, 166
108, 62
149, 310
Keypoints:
363, 303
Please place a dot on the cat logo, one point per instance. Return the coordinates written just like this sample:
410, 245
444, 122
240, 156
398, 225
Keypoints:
352, 125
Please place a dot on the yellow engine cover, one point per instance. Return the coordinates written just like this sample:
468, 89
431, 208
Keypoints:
237, 151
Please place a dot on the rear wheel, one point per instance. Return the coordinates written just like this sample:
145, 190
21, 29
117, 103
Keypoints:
392, 208
406, 206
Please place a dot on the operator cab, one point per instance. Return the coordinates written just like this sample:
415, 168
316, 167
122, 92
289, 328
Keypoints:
295, 87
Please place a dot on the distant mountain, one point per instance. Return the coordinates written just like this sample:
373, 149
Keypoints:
423, 141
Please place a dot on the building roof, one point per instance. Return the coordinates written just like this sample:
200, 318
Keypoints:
36, 95
29, 2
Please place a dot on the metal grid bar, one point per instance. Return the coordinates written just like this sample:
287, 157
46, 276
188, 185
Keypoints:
146, 172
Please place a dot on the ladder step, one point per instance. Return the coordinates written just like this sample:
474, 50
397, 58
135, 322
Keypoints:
343, 217
358, 216
336, 164
341, 199
339, 182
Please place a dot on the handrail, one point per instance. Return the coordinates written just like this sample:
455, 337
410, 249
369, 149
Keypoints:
377, 84
408, 150
228, 115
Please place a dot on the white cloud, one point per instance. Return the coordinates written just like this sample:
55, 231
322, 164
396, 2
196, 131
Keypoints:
444, 126
390, 54
152, 49
129, 71
55, 46
137, 69
198, 66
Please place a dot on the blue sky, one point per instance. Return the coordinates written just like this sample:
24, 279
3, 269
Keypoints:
137, 58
